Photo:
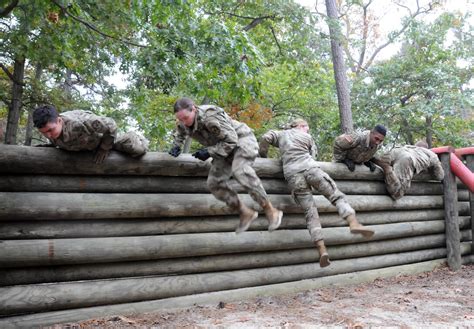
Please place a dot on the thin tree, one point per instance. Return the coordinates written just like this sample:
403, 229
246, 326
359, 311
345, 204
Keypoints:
342, 87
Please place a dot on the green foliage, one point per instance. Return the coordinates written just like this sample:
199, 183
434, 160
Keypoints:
68, 46
424, 83
265, 62
303, 90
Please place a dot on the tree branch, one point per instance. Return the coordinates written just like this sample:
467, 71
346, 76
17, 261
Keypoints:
365, 22
276, 41
10, 75
418, 12
257, 21
8, 9
95, 29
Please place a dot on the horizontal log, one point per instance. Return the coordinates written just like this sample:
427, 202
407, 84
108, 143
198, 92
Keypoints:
38, 229
36, 205
463, 195
464, 209
213, 298
101, 250
168, 184
191, 265
45, 297
27, 160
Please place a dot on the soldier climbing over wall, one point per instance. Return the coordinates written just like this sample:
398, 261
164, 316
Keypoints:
359, 147
233, 148
298, 152
84, 131
401, 163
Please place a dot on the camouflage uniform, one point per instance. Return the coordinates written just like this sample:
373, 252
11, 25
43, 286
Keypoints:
407, 161
83, 130
354, 146
302, 172
233, 148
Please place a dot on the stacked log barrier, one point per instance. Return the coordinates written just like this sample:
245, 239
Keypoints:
80, 240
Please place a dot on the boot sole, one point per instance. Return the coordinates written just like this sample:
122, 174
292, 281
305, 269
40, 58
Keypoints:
324, 260
366, 233
244, 228
273, 227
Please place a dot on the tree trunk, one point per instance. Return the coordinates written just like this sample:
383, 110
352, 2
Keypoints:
429, 131
29, 125
406, 131
15, 105
343, 94
67, 87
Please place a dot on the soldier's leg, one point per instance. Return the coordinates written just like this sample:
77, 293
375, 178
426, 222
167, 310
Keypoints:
131, 143
392, 183
324, 184
437, 169
217, 181
398, 180
243, 172
303, 196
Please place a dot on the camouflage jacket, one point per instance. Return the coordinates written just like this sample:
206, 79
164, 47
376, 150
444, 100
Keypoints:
422, 158
297, 148
215, 129
83, 130
354, 146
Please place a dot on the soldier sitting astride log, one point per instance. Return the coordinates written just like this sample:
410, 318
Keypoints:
401, 163
359, 147
84, 131
298, 150
233, 148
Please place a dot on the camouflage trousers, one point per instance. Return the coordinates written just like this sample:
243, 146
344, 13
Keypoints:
301, 186
131, 143
238, 165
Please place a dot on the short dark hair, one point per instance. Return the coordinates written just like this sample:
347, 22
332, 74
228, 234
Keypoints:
44, 114
380, 129
183, 104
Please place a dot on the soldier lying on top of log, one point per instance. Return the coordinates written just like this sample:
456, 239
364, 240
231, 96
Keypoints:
401, 163
359, 147
297, 149
84, 131
233, 148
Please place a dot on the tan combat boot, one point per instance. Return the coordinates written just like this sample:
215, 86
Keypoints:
357, 227
273, 215
323, 254
247, 216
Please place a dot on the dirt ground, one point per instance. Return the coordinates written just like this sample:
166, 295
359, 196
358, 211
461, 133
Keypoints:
437, 299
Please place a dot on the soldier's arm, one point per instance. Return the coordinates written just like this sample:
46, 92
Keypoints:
221, 127
103, 125
342, 144
100, 124
437, 167
179, 136
313, 150
268, 139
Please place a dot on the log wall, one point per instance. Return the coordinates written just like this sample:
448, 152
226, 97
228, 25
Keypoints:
80, 240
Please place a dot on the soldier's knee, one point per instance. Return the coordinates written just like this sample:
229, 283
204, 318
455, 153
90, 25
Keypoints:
212, 184
396, 193
344, 209
245, 175
138, 151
